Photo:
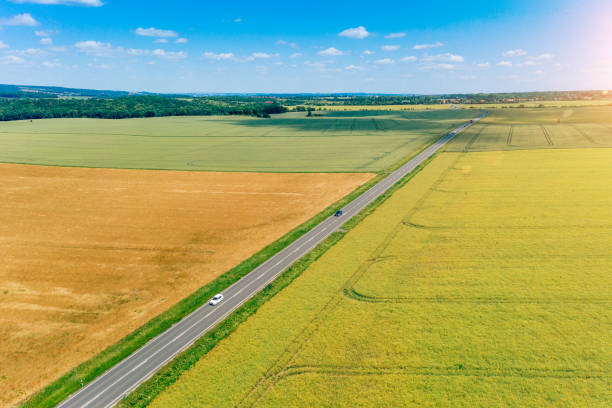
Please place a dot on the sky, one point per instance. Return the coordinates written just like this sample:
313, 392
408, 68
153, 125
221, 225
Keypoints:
422, 47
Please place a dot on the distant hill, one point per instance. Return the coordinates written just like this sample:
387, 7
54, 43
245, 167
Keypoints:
31, 91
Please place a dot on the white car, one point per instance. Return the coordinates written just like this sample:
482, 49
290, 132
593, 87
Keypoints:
216, 300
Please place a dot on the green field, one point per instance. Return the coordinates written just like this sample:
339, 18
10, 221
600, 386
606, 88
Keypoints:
285, 143
548, 128
485, 281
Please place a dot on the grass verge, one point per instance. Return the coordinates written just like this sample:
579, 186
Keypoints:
86, 372
169, 374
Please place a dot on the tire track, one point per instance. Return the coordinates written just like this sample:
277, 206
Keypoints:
546, 135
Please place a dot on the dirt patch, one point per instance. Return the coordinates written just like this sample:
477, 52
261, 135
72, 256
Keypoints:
89, 255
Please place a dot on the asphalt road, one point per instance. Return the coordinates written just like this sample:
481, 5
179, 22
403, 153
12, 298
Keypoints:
106, 390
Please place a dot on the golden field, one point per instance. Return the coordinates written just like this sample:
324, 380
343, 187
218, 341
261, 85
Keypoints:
484, 281
89, 255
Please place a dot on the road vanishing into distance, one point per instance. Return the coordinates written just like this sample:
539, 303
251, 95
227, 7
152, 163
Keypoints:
108, 389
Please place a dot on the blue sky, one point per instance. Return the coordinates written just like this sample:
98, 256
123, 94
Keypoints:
316, 46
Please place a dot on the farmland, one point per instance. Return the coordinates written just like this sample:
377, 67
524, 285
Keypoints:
483, 281
89, 255
537, 129
337, 142
479, 106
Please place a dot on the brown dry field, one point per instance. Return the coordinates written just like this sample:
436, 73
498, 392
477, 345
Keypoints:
89, 255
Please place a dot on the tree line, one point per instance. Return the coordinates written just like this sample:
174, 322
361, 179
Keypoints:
131, 107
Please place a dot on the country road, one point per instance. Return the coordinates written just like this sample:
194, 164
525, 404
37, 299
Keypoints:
106, 390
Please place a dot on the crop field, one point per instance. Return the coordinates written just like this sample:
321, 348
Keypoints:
530, 104
484, 281
539, 128
89, 255
286, 143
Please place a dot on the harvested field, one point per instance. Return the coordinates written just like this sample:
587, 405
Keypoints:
484, 281
89, 255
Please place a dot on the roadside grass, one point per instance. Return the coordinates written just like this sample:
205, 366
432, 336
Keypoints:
88, 371
285, 143
481, 282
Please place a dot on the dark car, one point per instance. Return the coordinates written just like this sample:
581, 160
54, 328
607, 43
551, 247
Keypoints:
338, 213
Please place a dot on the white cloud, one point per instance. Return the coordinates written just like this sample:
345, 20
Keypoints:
12, 59
46, 41
368, 52
446, 57
219, 57
295, 55
545, 56
90, 45
537, 60
89, 3
354, 68
155, 32
483, 65
384, 61
539, 72
259, 55
506, 64
138, 52
3, 44
100, 66
438, 66
314, 64
29, 51
357, 33
263, 55
97, 48
24, 19
238, 20
331, 52
409, 58
45, 33
181, 40
514, 53
390, 47
169, 55
51, 64
425, 46
161, 41
290, 44
395, 35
